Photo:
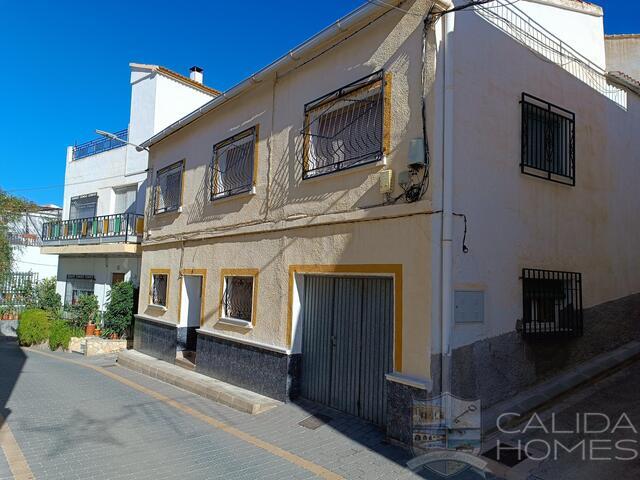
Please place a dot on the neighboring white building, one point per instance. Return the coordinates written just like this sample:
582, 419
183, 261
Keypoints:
98, 237
26, 238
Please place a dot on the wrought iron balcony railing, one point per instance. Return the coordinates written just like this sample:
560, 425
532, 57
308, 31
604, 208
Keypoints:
99, 145
122, 227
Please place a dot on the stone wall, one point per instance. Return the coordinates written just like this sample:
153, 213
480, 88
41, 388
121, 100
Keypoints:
8, 328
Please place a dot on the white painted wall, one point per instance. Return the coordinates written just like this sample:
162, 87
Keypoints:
580, 26
190, 300
623, 54
29, 259
101, 268
517, 221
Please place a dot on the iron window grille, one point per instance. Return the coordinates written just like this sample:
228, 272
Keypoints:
551, 303
77, 286
232, 165
83, 206
159, 289
238, 297
344, 128
168, 188
548, 141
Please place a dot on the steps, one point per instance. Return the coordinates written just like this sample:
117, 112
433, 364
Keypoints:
235, 397
186, 359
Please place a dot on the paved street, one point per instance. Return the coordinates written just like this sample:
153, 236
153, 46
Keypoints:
71, 421
603, 401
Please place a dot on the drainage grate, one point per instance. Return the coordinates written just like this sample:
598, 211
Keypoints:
315, 421
110, 365
509, 455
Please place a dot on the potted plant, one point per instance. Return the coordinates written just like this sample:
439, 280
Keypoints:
90, 329
119, 312
84, 314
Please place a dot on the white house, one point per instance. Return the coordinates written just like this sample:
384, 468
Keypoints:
26, 237
98, 238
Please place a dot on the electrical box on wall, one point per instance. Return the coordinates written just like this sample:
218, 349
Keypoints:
469, 306
386, 181
416, 159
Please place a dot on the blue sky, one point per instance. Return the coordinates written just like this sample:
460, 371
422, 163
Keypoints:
65, 69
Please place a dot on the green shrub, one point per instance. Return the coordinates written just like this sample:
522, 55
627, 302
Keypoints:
33, 327
60, 334
47, 298
85, 310
76, 331
119, 314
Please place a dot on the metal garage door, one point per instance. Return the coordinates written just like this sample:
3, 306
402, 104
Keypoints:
347, 343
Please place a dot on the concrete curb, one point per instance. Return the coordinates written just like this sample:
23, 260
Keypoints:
221, 392
525, 402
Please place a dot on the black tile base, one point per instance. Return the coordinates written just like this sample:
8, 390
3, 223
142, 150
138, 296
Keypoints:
187, 338
263, 371
155, 339
400, 400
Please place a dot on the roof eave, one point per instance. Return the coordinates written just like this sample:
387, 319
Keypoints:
361, 13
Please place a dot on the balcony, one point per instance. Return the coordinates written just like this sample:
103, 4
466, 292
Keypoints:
99, 145
124, 229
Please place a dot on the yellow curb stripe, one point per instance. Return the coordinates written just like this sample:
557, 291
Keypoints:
17, 462
284, 454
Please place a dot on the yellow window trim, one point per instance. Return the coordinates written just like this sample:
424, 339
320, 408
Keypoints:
158, 271
201, 272
386, 120
240, 272
394, 270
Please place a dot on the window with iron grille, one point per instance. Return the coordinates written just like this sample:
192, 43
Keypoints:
237, 300
344, 128
548, 141
77, 286
552, 303
168, 188
83, 206
232, 167
159, 289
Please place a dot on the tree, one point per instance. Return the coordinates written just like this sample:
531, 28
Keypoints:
119, 313
11, 209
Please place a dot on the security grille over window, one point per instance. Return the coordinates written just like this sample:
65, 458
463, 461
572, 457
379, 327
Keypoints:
159, 289
238, 297
552, 303
344, 128
77, 286
232, 165
548, 141
83, 206
168, 189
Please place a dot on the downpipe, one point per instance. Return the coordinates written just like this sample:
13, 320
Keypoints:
446, 278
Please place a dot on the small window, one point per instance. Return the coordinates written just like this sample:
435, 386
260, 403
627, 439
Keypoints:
344, 129
159, 283
552, 303
126, 199
77, 286
548, 141
237, 299
83, 206
233, 165
168, 188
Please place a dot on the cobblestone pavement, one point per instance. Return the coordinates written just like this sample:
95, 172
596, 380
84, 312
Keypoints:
556, 435
73, 422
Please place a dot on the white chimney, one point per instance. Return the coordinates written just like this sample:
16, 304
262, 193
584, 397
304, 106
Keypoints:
195, 74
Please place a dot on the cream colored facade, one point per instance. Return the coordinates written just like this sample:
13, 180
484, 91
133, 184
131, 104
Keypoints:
316, 225
340, 224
